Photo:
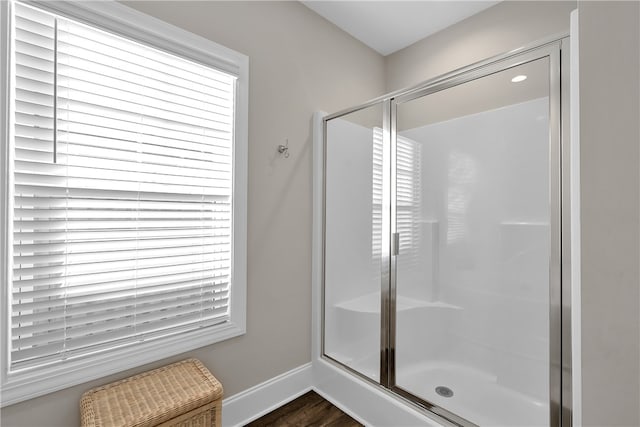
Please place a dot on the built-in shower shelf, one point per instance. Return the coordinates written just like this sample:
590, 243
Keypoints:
526, 223
370, 303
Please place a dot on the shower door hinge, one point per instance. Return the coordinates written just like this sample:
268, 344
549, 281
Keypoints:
395, 244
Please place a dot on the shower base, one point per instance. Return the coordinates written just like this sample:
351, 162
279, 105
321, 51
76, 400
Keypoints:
477, 396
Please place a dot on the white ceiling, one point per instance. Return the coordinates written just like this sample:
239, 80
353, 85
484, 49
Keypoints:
388, 26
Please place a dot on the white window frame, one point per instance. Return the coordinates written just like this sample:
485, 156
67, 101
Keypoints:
124, 21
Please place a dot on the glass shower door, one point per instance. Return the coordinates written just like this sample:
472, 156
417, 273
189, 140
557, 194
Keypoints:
473, 210
354, 239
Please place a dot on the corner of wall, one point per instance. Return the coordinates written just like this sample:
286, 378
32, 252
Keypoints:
609, 37
576, 333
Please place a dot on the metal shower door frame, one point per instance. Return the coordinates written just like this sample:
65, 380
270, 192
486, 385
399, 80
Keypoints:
551, 51
560, 370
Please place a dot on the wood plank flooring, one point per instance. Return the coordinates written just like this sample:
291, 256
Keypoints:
310, 409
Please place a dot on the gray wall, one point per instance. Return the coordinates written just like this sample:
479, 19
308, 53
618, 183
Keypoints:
609, 136
501, 28
299, 63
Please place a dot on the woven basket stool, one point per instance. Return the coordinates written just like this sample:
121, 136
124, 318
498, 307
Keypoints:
183, 394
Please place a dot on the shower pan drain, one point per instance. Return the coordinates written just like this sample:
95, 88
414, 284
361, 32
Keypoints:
444, 391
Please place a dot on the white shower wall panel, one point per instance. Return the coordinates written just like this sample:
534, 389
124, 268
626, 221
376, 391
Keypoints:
484, 182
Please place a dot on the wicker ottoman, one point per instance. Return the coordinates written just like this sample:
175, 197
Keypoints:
182, 394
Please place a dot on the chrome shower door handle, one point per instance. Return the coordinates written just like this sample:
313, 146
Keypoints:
395, 244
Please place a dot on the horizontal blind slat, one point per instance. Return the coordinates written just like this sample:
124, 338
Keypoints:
116, 48
31, 289
117, 195
119, 100
123, 335
90, 183
133, 303
82, 327
26, 15
78, 111
84, 247
102, 76
111, 235
216, 285
149, 143
117, 255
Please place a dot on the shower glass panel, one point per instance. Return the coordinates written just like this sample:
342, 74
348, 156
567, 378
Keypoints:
353, 252
472, 210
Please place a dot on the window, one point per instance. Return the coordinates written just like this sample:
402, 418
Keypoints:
125, 177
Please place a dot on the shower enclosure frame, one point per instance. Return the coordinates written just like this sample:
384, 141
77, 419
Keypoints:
556, 50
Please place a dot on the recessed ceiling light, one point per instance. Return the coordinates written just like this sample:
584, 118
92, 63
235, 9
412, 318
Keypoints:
519, 78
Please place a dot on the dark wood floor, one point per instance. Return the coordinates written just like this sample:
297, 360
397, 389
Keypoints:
310, 409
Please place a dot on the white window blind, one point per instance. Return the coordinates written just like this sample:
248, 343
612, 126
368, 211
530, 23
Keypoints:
122, 191
376, 193
408, 198
408, 201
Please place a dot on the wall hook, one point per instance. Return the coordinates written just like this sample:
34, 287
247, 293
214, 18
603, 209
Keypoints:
284, 149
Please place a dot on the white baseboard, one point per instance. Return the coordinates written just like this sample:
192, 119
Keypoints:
263, 398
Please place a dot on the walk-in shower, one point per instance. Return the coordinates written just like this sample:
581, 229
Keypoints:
442, 242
